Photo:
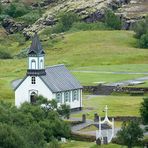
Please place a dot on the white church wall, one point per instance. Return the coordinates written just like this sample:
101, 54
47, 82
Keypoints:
71, 103
22, 93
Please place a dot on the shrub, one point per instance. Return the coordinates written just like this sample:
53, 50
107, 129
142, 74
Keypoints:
130, 134
5, 55
31, 17
144, 110
3, 16
54, 144
141, 28
65, 22
16, 10
112, 20
143, 42
9, 137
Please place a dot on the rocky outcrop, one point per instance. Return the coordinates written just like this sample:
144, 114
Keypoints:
90, 11
12, 27
133, 12
130, 11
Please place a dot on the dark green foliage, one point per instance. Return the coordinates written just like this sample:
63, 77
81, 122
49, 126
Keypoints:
1, 8
144, 110
54, 143
64, 110
130, 134
112, 21
143, 42
16, 10
141, 28
65, 22
5, 55
10, 138
37, 126
31, 17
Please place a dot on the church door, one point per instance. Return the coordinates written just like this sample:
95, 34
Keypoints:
33, 97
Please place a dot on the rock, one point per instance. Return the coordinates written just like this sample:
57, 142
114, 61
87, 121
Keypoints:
96, 16
90, 11
12, 27
6, 1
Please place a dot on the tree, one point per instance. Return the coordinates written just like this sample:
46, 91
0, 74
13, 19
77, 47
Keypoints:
111, 20
9, 138
143, 42
130, 134
144, 110
141, 28
64, 110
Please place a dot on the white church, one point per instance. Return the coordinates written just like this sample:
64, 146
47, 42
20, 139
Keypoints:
54, 82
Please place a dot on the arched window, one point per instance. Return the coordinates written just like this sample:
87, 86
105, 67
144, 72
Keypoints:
75, 95
33, 64
66, 96
41, 64
33, 97
59, 97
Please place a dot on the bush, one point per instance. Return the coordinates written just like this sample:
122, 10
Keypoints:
141, 28
143, 42
65, 22
5, 55
16, 10
9, 138
130, 134
144, 110
54, 144
111, 20
3, 16
31, 17
37, 126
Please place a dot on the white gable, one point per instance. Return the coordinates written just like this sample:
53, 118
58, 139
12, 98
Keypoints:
22, 93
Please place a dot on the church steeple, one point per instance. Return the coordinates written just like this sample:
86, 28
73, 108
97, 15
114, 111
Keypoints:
36, 58
36, 47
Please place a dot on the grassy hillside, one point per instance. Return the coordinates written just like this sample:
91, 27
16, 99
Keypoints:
85, 49
114, 103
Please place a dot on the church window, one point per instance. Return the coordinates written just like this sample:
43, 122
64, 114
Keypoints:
33, 80
59, 97
41, 64
75, 95
66, 96
33, 97
33, 64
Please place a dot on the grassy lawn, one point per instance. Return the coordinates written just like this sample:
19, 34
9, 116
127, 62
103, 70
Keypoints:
91, 78
118, 106
116, 68
80, 144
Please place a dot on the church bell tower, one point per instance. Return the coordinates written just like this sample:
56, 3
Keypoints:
36, 58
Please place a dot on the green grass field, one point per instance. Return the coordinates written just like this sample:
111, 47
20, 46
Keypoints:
91, 78
84, 50
118, 106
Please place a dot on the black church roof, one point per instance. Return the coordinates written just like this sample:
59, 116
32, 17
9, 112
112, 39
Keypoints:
36, 47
